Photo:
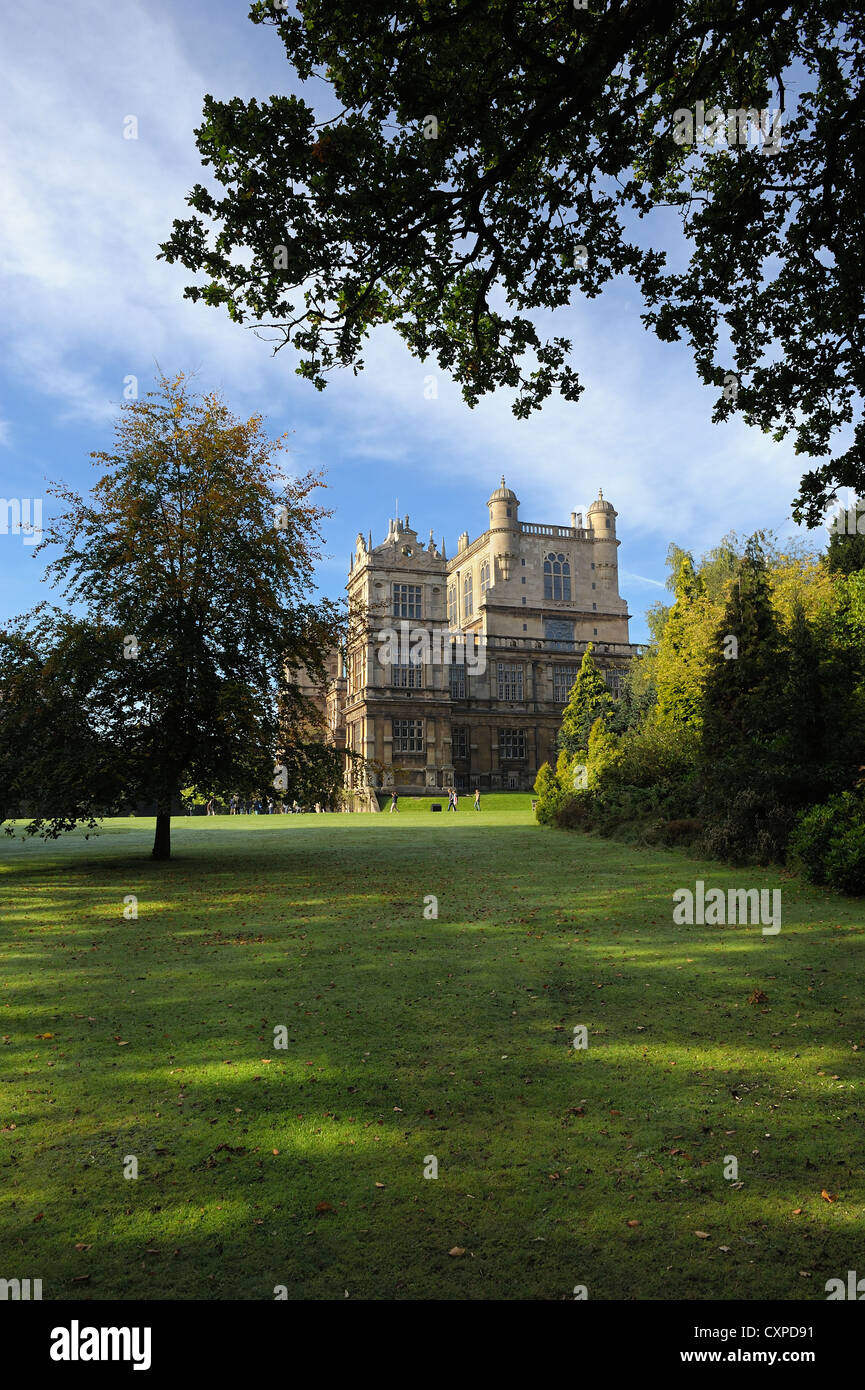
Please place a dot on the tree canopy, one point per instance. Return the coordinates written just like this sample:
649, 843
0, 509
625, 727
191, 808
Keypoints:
477, 161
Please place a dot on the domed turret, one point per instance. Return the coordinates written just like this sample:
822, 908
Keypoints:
504, 507
601, 517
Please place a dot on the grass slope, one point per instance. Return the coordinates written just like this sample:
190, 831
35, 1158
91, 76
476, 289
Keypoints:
411, 1037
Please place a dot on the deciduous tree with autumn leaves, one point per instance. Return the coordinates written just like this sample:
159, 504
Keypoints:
187, 573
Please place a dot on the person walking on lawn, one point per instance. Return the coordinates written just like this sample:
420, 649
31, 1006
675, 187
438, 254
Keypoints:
394, 798
477, 798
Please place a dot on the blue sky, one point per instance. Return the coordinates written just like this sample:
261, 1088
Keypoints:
86, 304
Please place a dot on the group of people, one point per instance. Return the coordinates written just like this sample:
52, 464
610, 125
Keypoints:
239, 806
453, 800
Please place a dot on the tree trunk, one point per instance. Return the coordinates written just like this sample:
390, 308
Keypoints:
162, 840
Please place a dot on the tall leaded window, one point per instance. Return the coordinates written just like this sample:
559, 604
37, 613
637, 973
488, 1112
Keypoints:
458, 680
452, 606
468, 596
563, 680
512, 743
557, 576
510, 680
485, 576
407, 735
459, 743
406, 601
356, 671
615, 682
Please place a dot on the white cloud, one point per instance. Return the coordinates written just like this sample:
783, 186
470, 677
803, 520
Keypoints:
85, 209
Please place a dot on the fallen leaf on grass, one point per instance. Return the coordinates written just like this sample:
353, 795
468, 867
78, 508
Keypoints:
379, 1184
457, 1250
704, 1235
322, 1208
81, 1246
633, 1223
829, 1196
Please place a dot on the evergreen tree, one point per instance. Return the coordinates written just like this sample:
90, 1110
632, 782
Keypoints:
590, 699
803, 738
603, 751
637, 698
740, 699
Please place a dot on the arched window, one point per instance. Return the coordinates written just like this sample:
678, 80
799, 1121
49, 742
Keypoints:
468, 597
485, 576
557, 576
452, 606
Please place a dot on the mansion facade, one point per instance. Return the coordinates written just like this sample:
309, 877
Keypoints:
460, 670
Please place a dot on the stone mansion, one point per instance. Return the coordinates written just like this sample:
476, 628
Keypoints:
490, 642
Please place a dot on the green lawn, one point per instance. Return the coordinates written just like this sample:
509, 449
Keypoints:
411, 1037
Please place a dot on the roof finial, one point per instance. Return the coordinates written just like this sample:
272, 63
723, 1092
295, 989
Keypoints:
503, 480
601, 494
